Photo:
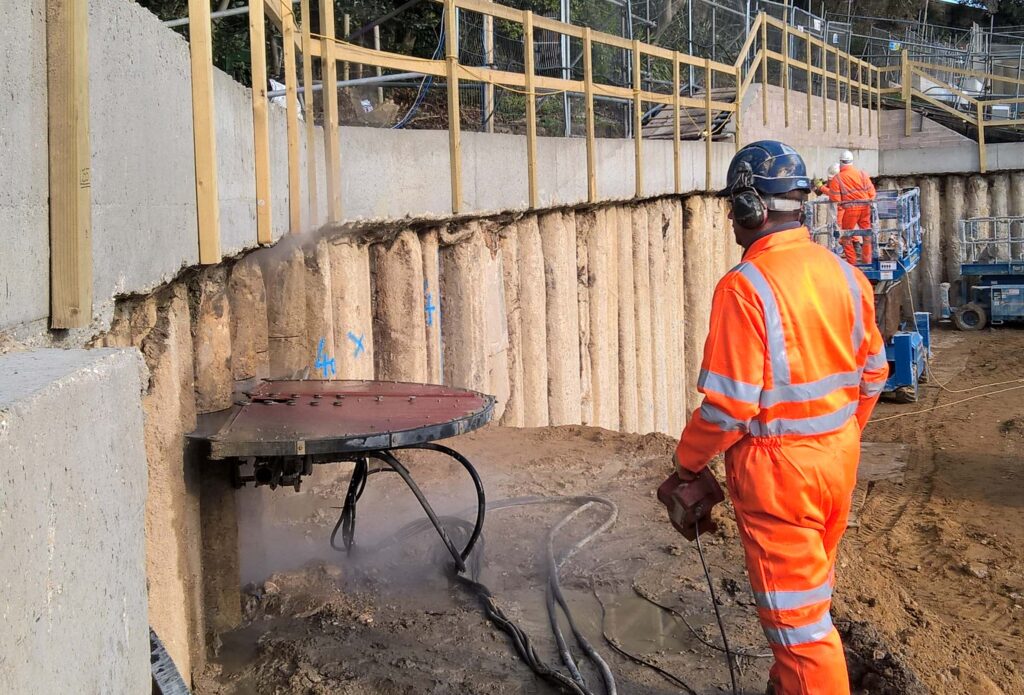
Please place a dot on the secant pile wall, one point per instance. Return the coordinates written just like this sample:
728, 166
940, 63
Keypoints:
945, 200
591, 316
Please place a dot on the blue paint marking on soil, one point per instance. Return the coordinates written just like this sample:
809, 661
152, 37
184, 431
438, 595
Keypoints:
324, 363
357, 341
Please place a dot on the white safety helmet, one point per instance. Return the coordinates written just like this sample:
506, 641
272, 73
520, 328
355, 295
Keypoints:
833, 170
846, 157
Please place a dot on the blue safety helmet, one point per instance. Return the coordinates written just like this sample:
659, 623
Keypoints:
769, 167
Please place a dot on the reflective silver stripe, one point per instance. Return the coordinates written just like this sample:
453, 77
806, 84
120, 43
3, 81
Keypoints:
813, 390
737, 390
857, 334
788, 600
792, 636
872, 388
876, 361
725, 421
772, 321
806, 425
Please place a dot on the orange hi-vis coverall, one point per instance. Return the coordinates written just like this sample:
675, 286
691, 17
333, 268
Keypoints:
847, 188
793, 366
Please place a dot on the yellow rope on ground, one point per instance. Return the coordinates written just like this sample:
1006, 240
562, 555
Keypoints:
946, 405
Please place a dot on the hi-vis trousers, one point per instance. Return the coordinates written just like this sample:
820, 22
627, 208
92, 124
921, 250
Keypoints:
792, 497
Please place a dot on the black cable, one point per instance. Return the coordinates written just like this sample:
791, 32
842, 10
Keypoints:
718, 614
671, 677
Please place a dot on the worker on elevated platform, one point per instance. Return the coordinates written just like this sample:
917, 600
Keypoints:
793, 366
852, 190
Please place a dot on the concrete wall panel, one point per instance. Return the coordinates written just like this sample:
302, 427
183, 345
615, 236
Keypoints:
24, 182
514, 415
432, 303
399, 324
353, 318
463, 320
533, 314
629, 416
603, 349
320, 331
586, 221
657, 230
72, 522
558, 239
642, 308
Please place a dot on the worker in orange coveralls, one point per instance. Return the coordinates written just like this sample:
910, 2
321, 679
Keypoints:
850, 189
793, 366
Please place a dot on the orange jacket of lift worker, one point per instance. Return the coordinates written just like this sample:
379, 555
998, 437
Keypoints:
846, 188
793, 366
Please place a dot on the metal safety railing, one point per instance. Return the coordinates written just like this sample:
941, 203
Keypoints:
895, 234
990, 244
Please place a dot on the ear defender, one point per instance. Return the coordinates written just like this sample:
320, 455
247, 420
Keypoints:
748, 209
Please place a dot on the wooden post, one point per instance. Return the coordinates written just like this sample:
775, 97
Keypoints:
67, 79
810, 84
260, 126
707, 123
905, 81
739, 106
308, 116
982, 158
860, 96
588, 95
638, 134
531, 109
346, 21
785, 73
824, 86
849, 95
376, 47
451, 43
291, 97
677, 171
871, 97
489, 59
332, 149
839, 88
204, 131
764, 68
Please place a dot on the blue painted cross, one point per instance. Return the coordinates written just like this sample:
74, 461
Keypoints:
324, 363
429, 307
357, 340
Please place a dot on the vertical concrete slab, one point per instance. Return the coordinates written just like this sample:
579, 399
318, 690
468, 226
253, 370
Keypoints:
1017, 207
353, 318
675, 301
250, 359
72, 523
931, 253
432, 303
657, 228
701, 267
514, 415
173, 529
603, 349
533, 316
585, 223
496, 347
954, 209
212, 335
999, 191
642, 304
399, 325
628, 394
558, 239
979, 204
463, 323
285, 273
320, 313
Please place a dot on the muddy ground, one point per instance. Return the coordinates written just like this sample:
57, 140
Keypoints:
930, 583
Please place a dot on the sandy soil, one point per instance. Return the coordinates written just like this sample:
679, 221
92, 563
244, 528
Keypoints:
930, 584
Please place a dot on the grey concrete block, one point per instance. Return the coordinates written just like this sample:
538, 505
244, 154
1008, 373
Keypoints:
73, 472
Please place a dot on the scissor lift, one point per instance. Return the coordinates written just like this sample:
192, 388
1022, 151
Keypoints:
896, 237
992, 273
